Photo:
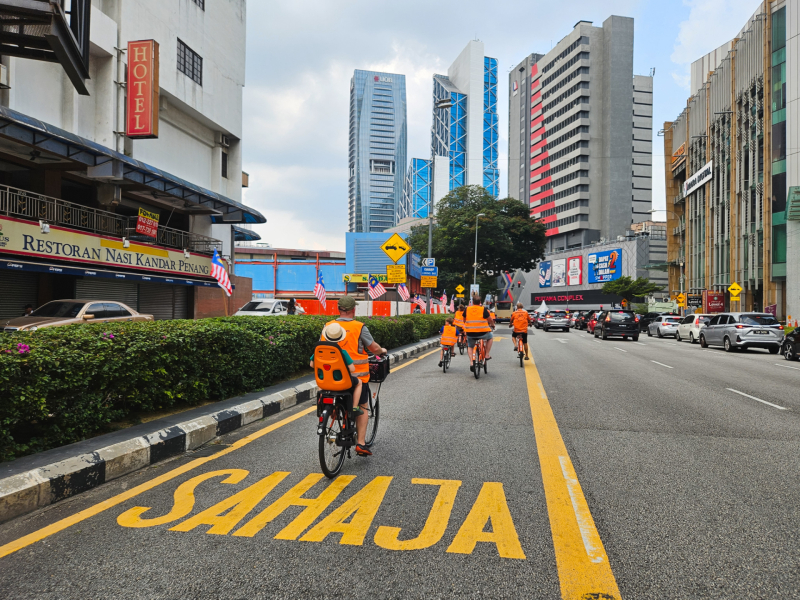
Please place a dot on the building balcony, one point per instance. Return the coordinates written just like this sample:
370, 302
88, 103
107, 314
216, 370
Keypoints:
679, 198
679, 229
23, 204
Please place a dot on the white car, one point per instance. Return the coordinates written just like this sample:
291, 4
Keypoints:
689, 328
663, 326
267, 308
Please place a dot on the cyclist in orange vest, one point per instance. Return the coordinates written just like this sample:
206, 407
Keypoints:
449, 338
357, 343
458, 320
478, 324
520, 322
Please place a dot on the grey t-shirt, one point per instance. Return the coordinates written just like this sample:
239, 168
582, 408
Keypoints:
365, 340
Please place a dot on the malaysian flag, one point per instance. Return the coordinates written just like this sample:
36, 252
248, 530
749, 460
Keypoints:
403, 291
319, 290
220, 273
376, 289
444, 298
418, 301
452, 304
544, 273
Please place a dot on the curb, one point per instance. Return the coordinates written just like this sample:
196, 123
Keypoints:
29, 491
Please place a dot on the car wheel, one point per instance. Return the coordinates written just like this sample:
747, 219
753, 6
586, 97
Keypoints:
635, 338
703, 343
726, 343
546, 330
773, 349
678, 336
789, 352
658, 332
603, 334
567, 330
691, 338
649, 333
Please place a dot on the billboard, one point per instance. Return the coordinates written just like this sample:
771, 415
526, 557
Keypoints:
560, 272
605, 266
545, 274
575, 270
142, 90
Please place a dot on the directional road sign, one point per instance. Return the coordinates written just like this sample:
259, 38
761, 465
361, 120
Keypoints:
430, 271
428, 262
395, 248
396, 273
735, 289
460, 288
427, 281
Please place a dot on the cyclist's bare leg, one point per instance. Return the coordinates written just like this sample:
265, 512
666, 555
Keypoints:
527, 352
489, 348
361, 425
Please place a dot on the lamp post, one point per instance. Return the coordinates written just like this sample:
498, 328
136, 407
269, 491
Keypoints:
681, 263
475, 264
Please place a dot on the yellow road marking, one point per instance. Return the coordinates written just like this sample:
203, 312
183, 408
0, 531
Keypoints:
66, 522
583, 567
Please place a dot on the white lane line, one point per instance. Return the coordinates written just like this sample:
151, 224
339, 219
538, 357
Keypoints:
598, 342
563, 341
662, 364
786, 366
757, 399
620, 349
640, 343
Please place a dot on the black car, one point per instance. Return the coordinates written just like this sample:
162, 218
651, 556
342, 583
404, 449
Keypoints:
582, 318
644, 322
617, 322
790, 346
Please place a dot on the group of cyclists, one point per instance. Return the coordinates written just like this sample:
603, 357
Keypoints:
477, 322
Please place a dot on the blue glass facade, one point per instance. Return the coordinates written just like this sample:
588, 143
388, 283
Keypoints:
377, 157
417, 189
491, 174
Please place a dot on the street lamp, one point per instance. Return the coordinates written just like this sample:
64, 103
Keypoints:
475, 264
681, 263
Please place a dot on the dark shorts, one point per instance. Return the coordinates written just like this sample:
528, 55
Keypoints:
364, 390
522, 334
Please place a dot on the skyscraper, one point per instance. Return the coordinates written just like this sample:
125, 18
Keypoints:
377, 157
580, 135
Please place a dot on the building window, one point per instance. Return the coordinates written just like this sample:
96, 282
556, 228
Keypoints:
225, 165
200, 3
190, 63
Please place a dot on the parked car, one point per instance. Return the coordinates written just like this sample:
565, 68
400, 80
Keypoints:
689, 328
591, 320
266, 308
790, 346
743, 331
556, 319
70, 312
644, 321
663, 326
617, 322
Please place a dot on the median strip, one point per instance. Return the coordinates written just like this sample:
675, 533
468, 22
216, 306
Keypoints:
756, 399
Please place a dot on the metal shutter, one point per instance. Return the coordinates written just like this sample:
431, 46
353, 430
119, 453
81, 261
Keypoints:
108, 289
16, 290
163, 301
180, 302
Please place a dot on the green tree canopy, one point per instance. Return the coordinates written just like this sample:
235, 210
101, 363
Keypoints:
508, 238
630, 288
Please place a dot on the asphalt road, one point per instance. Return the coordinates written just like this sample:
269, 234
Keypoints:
609, 468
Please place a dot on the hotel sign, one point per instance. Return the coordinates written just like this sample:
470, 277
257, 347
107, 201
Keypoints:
24, 238
142, 87
702, 176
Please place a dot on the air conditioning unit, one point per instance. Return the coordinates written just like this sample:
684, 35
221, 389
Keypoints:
223, 140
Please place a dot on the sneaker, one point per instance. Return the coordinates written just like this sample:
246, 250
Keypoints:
440, 363
357, 411
472, 368
526, 358
362, 450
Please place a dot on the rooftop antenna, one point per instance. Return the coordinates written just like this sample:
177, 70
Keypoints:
652, 72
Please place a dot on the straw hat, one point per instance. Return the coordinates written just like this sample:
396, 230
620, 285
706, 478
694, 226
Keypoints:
334, 332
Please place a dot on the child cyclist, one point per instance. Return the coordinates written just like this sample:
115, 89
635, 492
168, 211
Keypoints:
334, 332
448, 339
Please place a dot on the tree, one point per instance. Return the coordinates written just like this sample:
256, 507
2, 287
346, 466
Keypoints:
630, 288
508, 238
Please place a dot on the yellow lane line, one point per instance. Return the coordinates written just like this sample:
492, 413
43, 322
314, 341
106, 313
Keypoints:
66, 522
583, 567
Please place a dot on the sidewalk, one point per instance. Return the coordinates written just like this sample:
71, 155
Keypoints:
38, 480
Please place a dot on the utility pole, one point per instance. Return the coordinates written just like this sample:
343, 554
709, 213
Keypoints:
475, 264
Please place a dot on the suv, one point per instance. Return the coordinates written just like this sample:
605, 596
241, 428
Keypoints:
743, 330
790, 347
556, 319
617, 322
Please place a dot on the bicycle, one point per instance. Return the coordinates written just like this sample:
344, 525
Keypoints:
446, 356
520, 350
462, 343
337, 426
480, 359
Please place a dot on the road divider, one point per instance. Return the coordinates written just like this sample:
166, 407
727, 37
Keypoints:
757, 399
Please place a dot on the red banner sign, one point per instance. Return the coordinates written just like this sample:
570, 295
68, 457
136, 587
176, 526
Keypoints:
713, 302
142, 88
147, 223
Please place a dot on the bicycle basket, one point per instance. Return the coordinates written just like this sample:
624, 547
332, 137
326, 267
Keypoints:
378, 370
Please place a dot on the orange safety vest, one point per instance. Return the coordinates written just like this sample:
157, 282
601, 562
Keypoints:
458, 320
350, 344
448, 336
475, 323
520, 320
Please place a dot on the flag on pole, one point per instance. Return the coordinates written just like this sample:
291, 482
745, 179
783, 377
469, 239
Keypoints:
452, 304
403, 291
220, 273
418, 301
444, 298
319, 290
376, 289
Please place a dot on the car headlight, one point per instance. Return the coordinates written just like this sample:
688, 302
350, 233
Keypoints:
34, 328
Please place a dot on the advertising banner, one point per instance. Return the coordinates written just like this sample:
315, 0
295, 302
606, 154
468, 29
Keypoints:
560, 272
142, 90
713, 302
605, 266
26, 239
694, 300
545, 274
147, 223
575, 270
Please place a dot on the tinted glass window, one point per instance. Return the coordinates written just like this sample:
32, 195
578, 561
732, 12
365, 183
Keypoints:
558, 313
703, 320
671, 319
622, 317
714, 321
250, 306
115, 310
67, 310
758, 320
687, 320
98, 310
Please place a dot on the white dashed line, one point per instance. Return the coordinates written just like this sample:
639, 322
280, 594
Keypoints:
640, 343
620, 349
757, 399
598, 341
786, 366
662, 364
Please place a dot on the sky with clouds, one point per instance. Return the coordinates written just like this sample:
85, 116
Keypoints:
301, 55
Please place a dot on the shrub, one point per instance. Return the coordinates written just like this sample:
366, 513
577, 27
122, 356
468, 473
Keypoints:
426, 325
64, 384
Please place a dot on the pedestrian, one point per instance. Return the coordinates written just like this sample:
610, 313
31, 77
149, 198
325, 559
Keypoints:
291, 309
28, 310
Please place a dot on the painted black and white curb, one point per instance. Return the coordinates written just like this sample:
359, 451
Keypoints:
26, 492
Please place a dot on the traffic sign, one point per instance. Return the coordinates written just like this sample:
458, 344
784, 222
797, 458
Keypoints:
428, 282
624, 303
735, 289
430, 271
428, 262
459, 295
460, 288
395, 248
396, 273
681, 298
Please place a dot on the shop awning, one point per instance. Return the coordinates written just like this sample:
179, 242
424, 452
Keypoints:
240, 234
27, 130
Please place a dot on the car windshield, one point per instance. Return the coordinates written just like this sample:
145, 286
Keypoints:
68, 310
257, 306
619, 316
758, 320
671, 319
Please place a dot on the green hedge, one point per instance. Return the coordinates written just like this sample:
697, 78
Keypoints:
64, 384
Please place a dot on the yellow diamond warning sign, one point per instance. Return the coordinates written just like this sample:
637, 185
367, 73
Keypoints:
395, 248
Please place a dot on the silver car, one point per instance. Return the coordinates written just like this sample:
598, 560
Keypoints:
743, 331
266, 308
664, 325
556, 319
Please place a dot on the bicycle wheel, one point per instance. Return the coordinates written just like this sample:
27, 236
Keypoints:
331, 456
445, 361
476, 365
374, 416
521, 358
461, 349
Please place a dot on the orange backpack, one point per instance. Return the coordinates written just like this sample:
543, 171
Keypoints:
330, 370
